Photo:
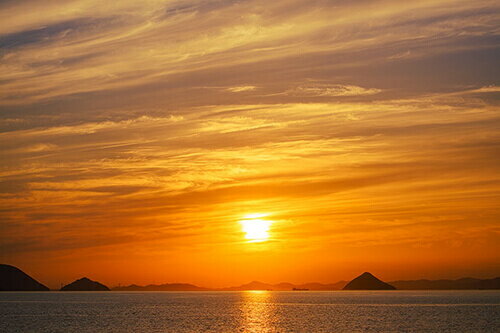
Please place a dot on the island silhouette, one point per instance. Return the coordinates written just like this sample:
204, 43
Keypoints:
367, 281
85, 284
163, 287
13, 279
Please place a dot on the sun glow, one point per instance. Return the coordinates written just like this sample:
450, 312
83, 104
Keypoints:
255, 228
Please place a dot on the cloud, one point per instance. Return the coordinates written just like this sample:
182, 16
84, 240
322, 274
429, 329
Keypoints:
487, 89
161, 122
241, 89
335, 90
71, 48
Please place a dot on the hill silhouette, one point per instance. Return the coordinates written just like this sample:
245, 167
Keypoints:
367, 281
162, 287
85, 284
460, 284
254, 285
284, 286
14, 279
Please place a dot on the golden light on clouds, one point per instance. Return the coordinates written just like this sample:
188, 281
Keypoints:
134, 135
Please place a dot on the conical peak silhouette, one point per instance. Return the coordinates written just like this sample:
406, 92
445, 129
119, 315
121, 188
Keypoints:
84, 279
367, 274
367, 281
85, 284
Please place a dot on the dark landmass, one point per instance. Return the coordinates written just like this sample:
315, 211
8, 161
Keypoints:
85, 284
367, 281
257, 285
460, 284
162, 287
284, 286
14, 279
319, 286
254, 285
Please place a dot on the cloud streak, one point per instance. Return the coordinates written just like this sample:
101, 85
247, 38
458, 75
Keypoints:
336, 90
150, 129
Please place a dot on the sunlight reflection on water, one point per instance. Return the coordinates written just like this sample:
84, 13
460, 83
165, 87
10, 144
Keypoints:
257, 311
252, 311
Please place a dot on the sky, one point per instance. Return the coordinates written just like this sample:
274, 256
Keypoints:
140, 139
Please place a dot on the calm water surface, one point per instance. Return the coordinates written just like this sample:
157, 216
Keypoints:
380, 311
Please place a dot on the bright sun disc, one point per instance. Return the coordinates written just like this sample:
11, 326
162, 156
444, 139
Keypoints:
256, 229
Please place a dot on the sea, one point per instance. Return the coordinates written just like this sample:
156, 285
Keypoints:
251, 311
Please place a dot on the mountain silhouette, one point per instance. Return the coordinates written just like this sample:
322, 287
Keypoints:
286, 286
14, 279
85, 284
460, 284
320, 286
367, 281
162, 287
254, 285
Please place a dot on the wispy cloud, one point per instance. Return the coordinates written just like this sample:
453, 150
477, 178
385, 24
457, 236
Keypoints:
148, 128
241, 89
49, 56
334, 90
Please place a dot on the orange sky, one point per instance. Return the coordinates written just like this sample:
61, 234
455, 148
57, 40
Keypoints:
135, 136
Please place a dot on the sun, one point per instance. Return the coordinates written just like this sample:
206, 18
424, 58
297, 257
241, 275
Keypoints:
255, 228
